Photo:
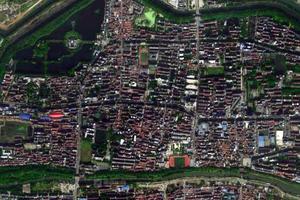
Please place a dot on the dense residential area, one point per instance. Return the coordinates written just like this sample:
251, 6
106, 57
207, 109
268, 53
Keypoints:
199, 106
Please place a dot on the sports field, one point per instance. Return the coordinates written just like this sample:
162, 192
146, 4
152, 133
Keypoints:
9, 130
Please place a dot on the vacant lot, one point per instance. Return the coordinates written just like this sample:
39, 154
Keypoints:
10, 130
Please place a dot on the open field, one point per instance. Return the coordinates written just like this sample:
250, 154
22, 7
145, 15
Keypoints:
9, 130
85, 151
147, 19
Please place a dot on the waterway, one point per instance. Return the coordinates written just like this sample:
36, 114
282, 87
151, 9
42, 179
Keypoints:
59, 59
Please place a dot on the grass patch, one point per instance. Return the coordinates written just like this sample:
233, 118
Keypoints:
147, 19
13, 129
41, 50
214, 71
86, 151
45, 187
179, 162
167, 14
290, 91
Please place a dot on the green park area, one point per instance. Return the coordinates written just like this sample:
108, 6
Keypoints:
147, 19
85, 150
41, 49
214, 71
72, 40
9, 130
162, 12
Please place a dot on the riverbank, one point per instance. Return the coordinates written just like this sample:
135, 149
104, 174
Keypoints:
287, 12
285, 185
11, 177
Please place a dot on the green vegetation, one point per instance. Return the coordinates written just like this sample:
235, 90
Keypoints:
294, 68
147, 19
214, 71
271, 81
167, 174
100, 145
44, 187
72, 36
32, 39
179, 162
29, 174
290, 91
152, 84
244, 28
164, 175
85, 150
41, 49
283, 184
144, 57
11, 129
46, 175
166, 14
277, 16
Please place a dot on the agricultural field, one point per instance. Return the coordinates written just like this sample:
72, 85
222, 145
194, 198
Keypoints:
9, 130
13, 10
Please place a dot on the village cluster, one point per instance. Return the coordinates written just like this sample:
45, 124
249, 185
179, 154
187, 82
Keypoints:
150, 101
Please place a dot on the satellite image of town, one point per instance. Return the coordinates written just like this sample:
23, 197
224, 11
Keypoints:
150, 99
